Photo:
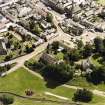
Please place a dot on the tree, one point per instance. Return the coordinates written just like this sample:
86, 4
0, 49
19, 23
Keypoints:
8, 57
88, 49
74, 55
59, 72
97, 76
17, 45
29, 49
31, 24
99, 46
6, 99
55, 46
37, 29
10, 36
2, 69
104, 42
80, 44
8, 66
49, 17
8, 44
83, 95
10, 28
66, 58
48, 48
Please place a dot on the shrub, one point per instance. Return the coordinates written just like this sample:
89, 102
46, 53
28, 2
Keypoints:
8, 57
49, 17
97, 76
6, 99
29, 49
83, 95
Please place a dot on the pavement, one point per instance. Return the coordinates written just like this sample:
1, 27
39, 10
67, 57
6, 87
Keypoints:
57, 96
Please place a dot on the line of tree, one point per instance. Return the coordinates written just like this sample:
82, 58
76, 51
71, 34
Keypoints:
83, 95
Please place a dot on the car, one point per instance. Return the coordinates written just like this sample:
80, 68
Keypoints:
49, 8
91, 30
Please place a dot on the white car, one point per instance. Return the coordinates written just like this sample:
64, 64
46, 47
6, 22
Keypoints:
49, 8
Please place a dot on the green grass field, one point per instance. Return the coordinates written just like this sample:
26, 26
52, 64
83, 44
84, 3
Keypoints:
81, 82
21, 80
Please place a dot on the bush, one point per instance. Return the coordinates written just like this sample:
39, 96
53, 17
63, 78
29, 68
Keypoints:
8, 57
49, 17
99, 45
6, 99
10, 28
29, 49
2, 69
74, 55
83, 95
96, 56
8, 66
88, 49
97, 76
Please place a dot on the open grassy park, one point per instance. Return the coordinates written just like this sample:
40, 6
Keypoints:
21, 80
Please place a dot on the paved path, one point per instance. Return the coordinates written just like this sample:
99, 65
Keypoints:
57, 96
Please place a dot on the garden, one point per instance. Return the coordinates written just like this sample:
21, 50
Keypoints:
16, 47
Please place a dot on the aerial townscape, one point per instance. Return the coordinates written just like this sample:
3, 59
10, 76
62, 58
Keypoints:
52, 52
